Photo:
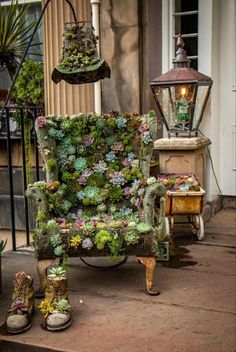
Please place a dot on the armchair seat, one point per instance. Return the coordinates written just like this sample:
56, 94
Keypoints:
98, 198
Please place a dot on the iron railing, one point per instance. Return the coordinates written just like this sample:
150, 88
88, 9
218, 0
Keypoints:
10, 132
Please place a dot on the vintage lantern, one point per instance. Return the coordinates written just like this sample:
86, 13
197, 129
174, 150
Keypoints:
181, 95
79, 61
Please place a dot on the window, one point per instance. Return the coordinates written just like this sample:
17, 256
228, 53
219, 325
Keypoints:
185, 14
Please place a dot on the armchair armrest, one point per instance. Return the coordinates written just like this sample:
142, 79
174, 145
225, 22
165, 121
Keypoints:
154, 191
36, 194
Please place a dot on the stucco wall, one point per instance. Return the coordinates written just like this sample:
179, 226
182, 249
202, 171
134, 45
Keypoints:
120, 47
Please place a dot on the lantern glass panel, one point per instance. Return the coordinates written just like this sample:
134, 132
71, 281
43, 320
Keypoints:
200, 99
176, 103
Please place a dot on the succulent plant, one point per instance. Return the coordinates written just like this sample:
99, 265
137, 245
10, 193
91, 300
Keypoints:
88, 228
131, 238
46, 307
62, 306
146, 137
58, 251
101, 208
80, 164
91, 192
121, 122
75, 241
118, 179
87, 243
144, 227
57, 272
101, 238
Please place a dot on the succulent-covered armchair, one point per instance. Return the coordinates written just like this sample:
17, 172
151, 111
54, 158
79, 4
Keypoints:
98, 198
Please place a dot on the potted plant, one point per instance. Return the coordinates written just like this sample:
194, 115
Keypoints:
14, 36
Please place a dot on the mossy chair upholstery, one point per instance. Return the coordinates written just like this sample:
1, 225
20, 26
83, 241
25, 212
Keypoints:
98, 198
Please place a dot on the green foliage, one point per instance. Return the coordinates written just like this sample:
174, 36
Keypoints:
41, 216
2, 245
52, 163
28, 89
115, 245
14, 35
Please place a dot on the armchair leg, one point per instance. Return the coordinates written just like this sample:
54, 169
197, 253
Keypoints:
150, 264
42, 265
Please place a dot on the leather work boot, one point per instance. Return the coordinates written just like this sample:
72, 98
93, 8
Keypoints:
55, 307
19, 314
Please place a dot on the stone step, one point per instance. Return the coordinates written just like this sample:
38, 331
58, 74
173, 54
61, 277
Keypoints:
9, 346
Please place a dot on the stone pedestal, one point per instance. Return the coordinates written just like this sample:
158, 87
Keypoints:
183, 155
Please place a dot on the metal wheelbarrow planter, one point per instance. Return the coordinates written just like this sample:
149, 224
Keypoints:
184, 197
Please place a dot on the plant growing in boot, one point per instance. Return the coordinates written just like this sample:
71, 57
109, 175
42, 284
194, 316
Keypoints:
57, 273
22, 307
56, 307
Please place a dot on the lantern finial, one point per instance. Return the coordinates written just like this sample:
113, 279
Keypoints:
181, 59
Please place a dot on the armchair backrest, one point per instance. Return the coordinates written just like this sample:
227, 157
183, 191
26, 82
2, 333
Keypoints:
97, 162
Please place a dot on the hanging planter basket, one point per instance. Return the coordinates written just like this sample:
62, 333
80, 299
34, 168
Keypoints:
79, 62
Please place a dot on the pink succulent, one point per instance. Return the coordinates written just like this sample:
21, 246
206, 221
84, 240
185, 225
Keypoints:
138, 203
18, 304
127, 162
94, 222
79, 223
107, 218
61, 222
41, 121
143, 127
82, 180
127, 192
88, 141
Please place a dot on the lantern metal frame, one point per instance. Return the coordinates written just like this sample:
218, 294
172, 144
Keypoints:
182, 75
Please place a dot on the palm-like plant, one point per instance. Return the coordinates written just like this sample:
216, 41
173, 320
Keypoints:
14, 35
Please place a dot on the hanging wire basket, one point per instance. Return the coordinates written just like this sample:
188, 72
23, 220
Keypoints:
79, 61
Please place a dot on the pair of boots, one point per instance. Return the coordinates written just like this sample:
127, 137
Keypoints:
55, 307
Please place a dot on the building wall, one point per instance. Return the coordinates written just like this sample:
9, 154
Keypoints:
217, 59
131, 44
120, 48
63, 98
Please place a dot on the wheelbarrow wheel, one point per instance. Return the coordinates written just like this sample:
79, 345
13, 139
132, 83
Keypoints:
199, 226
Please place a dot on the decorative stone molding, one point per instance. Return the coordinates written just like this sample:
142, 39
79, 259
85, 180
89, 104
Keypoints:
175, 143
